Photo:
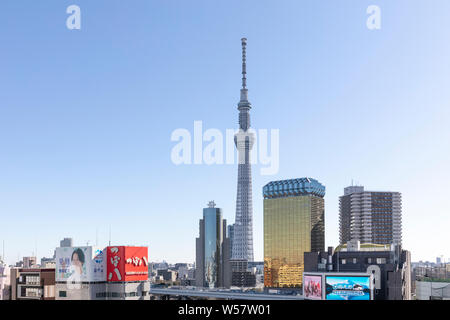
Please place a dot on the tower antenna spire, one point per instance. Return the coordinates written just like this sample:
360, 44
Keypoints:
244, 63
244, 140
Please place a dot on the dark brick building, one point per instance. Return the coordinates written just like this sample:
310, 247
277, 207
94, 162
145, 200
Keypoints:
390, 265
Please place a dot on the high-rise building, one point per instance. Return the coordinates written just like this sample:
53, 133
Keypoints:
212, 250
370, 217
29, 262
244, 140
231, 237
66, 242
293, 224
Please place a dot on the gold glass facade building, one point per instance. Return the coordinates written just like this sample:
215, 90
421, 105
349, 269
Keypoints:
293, 224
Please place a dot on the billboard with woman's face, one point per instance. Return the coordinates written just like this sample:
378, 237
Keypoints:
312, 287
79, 264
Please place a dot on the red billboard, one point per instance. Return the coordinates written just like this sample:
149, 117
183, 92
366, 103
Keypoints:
126, 263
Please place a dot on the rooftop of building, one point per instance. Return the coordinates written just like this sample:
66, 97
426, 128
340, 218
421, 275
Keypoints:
365, 247
34, 270
428, 279
293, 187
360, 189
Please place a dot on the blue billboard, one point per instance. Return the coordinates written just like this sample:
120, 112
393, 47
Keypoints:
347, 288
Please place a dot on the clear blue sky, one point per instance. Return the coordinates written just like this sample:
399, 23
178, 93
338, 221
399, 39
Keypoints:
86, 116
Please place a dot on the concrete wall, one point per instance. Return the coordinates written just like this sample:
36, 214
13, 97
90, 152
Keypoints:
78, 291
425, 290
5, 282
104, 291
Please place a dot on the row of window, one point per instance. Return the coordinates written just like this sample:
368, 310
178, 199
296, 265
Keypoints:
367, 260
32, 292
119, 295
63, 294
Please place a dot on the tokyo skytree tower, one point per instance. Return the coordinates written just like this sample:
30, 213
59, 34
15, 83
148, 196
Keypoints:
243, 227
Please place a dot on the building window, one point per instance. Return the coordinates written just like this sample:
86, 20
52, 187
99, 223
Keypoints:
355, 261
381, 260
33, 280
343, 261
62, 294
33, 292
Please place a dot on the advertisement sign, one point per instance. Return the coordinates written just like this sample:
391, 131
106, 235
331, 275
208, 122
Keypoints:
312, 287
347, 288
80, 264
127, 263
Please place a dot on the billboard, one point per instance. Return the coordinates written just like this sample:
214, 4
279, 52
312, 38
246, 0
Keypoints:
80, 264
347, 287
127, 263
312, 287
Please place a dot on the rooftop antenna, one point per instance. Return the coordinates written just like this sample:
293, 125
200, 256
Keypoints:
244, 92
244, 63
211, 204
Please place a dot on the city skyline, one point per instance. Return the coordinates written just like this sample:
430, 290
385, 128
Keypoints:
86, 116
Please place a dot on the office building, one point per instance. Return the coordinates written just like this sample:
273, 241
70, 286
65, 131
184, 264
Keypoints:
66, 242
420, 271
370, 217
48, 263
212, 250
5, 282
389, 264
167, 275
185, 271
241, 275
94, 273
231, 236
32, 284
257, 267
244, 140
29, 262
293, 224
